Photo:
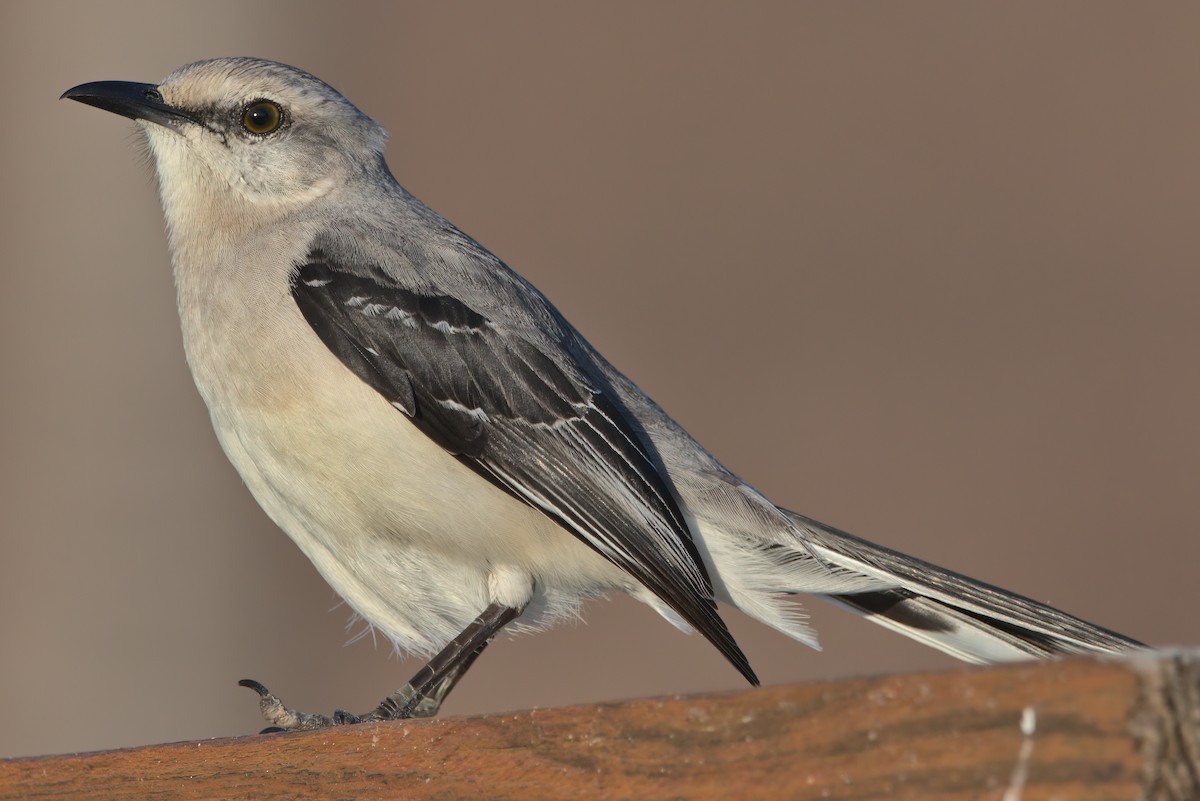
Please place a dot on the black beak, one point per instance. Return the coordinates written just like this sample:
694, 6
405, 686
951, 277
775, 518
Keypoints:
137, 101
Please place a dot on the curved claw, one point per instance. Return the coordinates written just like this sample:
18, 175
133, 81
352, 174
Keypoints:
279, 716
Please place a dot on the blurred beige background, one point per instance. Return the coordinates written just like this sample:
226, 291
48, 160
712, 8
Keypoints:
926, 271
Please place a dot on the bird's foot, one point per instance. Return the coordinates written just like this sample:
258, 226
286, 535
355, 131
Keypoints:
282, 718
403, 704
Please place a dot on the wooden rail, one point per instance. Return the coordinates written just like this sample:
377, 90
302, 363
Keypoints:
1077, 729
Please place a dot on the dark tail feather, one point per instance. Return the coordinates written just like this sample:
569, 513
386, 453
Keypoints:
968, 619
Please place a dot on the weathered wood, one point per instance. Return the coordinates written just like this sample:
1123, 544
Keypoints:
1078, 729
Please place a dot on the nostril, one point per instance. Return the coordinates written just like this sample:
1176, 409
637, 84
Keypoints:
152, 95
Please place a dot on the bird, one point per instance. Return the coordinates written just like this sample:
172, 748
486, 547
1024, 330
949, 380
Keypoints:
452, 455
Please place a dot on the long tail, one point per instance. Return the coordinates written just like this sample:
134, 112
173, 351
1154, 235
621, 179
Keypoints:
965, 618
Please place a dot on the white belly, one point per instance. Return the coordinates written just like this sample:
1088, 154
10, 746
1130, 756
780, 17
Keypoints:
416, 543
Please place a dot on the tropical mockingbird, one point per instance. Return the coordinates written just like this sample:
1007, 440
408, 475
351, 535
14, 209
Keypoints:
445, 447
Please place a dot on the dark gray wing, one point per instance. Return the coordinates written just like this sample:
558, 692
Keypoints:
534, 424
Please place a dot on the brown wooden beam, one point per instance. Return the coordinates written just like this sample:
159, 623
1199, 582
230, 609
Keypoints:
1076, 729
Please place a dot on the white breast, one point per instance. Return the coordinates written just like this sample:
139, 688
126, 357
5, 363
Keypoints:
416, 542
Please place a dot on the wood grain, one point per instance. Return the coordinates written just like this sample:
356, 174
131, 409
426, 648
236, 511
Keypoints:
1097, 730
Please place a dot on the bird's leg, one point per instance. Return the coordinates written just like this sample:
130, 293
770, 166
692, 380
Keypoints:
424, 693
421, 697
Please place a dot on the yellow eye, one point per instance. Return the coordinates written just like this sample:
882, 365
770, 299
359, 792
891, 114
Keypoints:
262, 117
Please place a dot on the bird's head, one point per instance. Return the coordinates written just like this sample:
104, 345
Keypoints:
233, 133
